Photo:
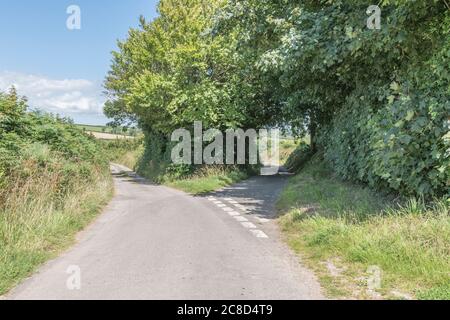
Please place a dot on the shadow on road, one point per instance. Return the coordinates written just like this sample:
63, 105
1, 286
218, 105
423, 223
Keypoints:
257, 194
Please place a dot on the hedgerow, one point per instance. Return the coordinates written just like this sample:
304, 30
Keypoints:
376, 102
34, 142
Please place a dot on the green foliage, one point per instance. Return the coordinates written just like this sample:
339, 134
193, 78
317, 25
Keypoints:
206, 179
126, 152
173, 71
155, 162
401, 146
167, 73
132, 131
299, 157
438, 293
31, 142
53, 180
328, 220
374, 101
377, 99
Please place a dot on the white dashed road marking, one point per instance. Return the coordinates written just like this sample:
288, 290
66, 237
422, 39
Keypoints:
239, 206
248, 225
259, 234
237, 216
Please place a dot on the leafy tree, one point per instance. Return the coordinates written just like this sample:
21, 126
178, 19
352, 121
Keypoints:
375, 102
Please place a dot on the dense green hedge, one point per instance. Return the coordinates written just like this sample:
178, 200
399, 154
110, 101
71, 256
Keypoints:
377, 99
392, 129
33, 142
402, 146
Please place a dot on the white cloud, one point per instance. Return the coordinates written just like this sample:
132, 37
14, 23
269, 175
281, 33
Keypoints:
69, 96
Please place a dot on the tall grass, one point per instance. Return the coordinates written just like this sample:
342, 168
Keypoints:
329, 220
124, 152
42, 206
53, 180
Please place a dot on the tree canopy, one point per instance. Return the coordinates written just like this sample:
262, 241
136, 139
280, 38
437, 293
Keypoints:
376, 102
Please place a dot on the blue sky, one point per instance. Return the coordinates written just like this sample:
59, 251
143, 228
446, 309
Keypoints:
62, 70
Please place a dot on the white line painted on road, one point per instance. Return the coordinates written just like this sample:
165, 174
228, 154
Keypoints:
259, 234
237, 216
248, 225
239, 206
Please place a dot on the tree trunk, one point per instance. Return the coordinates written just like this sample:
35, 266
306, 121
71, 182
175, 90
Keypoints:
312, 132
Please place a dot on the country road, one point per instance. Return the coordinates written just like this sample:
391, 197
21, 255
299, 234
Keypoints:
153, 242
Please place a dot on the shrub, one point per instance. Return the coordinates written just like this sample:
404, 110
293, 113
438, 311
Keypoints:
34, 143
299, 157
402, 146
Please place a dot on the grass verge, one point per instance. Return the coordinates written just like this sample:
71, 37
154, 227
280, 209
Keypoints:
350, 236
53, 180
207, 180
191, 179
37, 222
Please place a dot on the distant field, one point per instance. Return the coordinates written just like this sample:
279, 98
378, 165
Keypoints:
108, 130
95, 128
108, 136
